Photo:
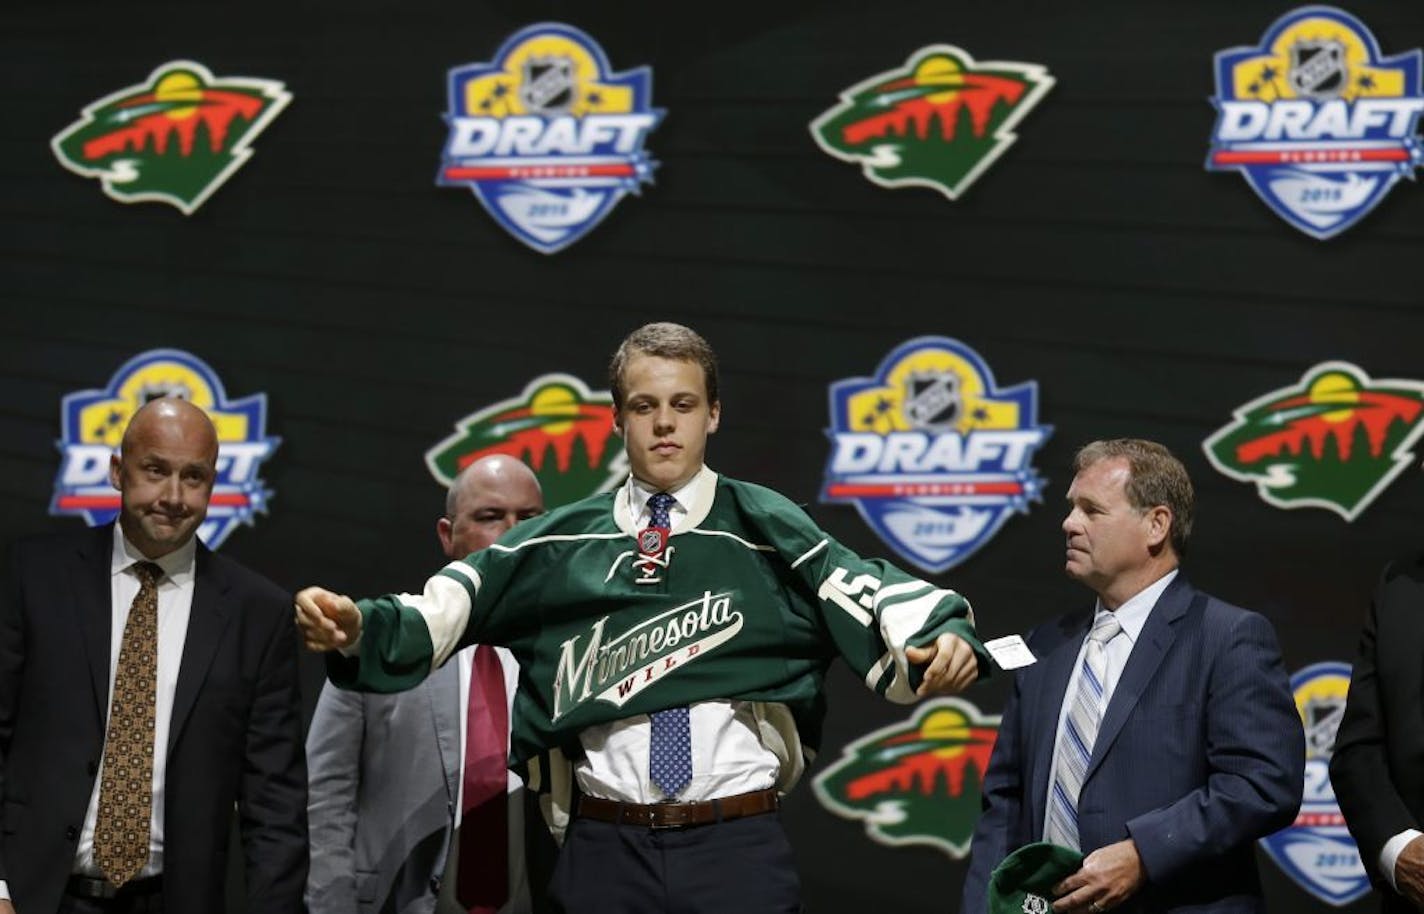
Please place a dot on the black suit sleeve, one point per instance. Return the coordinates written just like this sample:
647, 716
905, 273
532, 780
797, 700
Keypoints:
12, 663
996, 834
1360, 769
272, 802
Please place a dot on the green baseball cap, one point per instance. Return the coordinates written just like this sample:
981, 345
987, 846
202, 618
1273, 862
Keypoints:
1023, 883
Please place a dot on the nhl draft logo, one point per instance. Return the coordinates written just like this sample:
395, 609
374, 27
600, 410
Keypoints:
1333, 441
93, 423
547, 136
940, 121
557, 426
175, 138
932, 453
1319, 123
917, 781
1316, 851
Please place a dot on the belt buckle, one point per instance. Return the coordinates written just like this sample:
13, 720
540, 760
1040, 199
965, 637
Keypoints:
670, 815
90, 887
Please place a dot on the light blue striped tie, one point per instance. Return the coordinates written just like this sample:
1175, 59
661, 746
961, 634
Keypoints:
1080, 731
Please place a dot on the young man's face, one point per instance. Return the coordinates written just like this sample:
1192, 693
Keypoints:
665, 419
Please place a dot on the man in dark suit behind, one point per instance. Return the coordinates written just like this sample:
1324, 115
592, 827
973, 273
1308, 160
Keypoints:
125, 803
1378, 765
1156, 735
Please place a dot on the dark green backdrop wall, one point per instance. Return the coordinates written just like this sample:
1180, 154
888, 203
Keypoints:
1146, 296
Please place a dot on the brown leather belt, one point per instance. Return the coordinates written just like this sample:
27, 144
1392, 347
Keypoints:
679, 815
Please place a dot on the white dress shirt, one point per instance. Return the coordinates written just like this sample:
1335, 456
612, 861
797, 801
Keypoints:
1131, 615
175, 604
728, 756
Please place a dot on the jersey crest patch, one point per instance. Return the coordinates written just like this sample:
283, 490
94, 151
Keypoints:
1319, 123
1333, 441
1316, 851
547, 136
939, 121
917, 781
932, 453
557, 426
174, 139
93, 423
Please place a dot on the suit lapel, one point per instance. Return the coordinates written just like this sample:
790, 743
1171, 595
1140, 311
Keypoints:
1057, 669
1152, 645
207, 621
93, 603
444, 697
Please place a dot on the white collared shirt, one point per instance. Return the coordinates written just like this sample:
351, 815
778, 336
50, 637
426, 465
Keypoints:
175, 604
1132, 616
728, 756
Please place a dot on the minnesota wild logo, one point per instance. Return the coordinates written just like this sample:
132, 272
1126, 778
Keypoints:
557, 426
940, 121
1333, 441
175, 138
916, 782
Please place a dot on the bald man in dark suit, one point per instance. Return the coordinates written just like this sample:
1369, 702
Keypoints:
146, 687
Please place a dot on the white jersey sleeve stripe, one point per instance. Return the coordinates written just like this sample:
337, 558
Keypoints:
898, 623
899, 590
445, 606
810, 552
877, 672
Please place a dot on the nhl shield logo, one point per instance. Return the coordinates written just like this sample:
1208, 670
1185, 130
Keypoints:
547, 136
557, 426
174, 139
93, 423
917, 781
1333, 441
1317, 69
934, 455
1317, 851
1319, 122
652, 540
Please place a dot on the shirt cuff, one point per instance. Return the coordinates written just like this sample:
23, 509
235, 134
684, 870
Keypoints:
1389, 855
4, 890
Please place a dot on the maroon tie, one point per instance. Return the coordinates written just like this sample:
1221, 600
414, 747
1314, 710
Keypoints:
482, 881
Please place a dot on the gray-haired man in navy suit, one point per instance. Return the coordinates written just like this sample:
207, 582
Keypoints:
1157, 734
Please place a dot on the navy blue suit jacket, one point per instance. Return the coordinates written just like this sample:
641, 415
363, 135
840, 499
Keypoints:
1200, 752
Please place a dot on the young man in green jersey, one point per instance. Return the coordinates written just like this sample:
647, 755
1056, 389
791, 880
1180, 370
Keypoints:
673, 637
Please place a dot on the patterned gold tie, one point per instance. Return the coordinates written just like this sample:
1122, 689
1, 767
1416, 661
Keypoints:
121, 832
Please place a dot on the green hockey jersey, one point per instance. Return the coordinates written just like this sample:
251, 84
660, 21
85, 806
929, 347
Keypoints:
749, 600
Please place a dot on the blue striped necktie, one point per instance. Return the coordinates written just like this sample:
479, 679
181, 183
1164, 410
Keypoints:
1080, 731
670, 744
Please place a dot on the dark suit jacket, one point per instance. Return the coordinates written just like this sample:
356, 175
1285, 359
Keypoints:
1200, 753
235, 734
1378, 766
